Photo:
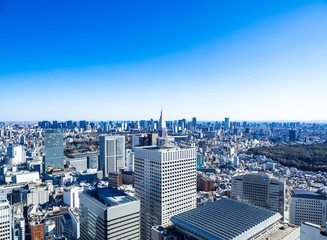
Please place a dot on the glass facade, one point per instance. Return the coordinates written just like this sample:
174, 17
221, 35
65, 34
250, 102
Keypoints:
54, 148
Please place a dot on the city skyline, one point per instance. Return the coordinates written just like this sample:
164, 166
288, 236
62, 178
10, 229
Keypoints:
253, 62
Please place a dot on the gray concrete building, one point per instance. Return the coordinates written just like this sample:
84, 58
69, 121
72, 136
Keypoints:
92, 158
307, 206
260, 189
112, 154
107, 213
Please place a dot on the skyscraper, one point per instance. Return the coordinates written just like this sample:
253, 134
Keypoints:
292, 135
227, 123
54, 149
260, 189
6, 220
112, 154
107, 213
194, 122
165, 182
162, 126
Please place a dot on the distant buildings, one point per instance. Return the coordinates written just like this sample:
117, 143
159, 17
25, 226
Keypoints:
227, 123
292, 135
162, 126
307, 206
108, 213
112, 154
260, 189
165, 183
194, 122
54, 149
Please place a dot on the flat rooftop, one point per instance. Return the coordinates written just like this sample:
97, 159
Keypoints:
307, 194
225, 219
277, 232
112, 197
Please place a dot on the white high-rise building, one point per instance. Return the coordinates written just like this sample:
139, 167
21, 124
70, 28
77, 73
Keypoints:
129, 160
164, 181
112, 154
71, 196
6, 216
15, 155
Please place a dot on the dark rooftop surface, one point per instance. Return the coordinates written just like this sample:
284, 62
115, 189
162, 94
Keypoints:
111, 196
307, 194
225, 219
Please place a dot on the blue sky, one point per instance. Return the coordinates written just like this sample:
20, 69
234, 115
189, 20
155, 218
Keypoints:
123, 60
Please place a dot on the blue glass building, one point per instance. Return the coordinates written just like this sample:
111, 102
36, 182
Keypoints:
54, 149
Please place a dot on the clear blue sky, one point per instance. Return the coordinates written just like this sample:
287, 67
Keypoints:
122, 60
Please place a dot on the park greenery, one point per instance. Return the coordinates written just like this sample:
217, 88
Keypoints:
304, 157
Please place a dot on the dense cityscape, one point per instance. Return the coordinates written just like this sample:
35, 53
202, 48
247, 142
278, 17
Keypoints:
157, 179
163, 120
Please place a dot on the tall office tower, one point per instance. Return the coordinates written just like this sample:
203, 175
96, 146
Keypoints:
2, 132
54, 149
107, 213
129, 160
194, 122
162, 126
260, 189
165, 183
112, 154
307, 206
292, 135
227, 123
184, 122
22, 140
6, 220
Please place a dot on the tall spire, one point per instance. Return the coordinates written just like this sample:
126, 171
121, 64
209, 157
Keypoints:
162, 125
